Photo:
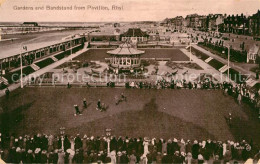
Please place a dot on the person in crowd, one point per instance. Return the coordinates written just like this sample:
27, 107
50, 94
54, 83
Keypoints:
123, 150
61, 157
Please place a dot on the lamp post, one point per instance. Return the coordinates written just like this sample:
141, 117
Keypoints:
228, 60
108, 134
190, 50
21, 63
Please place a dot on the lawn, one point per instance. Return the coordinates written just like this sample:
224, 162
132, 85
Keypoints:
216, 64
44, 63
14, 76
174, 54
188, 114
101, 54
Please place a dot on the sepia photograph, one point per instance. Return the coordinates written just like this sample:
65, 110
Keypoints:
130, 81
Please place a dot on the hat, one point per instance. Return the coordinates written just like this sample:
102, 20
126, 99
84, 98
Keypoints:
37, 150
70, 151
113, 153
182, 141
200, 157
18, 149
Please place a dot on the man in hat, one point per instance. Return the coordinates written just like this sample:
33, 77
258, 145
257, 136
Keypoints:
124, 158
229, 119
85, 103
77, 110
123, 97
7, 92
99, 104
195, 150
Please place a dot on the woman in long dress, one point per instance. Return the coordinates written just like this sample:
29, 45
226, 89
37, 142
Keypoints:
61, 156
146, 144
72, 143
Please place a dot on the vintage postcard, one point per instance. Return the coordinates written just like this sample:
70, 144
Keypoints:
130, 81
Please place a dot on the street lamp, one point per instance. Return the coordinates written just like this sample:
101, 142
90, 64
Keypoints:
108, 134
228, 59
21, 63
62, 131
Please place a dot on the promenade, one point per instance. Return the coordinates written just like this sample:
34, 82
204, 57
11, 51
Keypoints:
43, 70
224, 61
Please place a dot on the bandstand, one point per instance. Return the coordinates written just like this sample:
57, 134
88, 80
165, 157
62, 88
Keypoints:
125, 58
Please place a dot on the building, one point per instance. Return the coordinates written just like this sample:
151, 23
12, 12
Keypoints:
253, 53
254, 24
214, 21
134, 35
125, 58
35, 24
196, 21
116, 25
238, 24
177, 23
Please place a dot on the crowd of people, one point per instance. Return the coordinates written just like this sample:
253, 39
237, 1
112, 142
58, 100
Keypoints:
64, 149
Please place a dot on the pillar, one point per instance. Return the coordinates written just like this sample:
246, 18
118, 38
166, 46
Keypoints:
9, 62
108, 146
62, 143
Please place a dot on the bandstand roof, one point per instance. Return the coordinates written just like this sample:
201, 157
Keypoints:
125, 49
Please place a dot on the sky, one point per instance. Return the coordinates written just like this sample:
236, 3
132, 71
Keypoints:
133, 10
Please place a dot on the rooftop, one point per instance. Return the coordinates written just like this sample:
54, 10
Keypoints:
125, 49
135, 32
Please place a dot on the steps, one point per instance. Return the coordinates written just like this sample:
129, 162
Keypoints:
250, 82
54, 59
35, 67
224, 69
4, 80
208, 60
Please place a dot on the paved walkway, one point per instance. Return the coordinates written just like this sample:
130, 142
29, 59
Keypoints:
209, 69
43, 70
224, 61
